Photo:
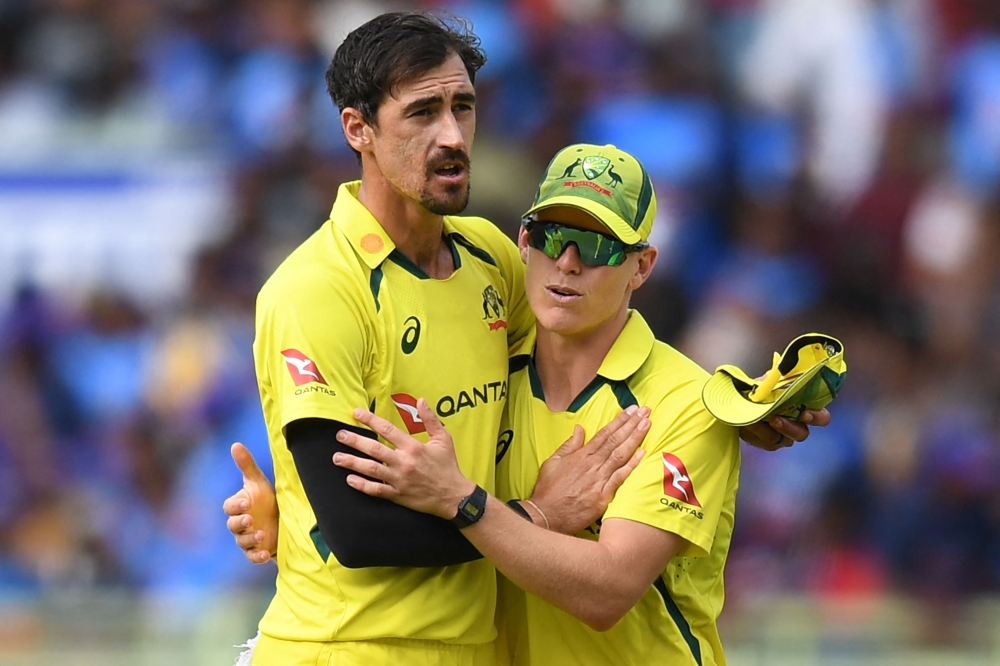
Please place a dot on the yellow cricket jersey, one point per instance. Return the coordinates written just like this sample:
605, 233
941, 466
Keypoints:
348, 321
685, 484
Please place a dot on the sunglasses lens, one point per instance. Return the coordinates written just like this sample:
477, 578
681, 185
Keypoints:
546, 239
595, 249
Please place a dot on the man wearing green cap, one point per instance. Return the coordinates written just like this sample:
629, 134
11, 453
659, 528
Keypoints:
643, 584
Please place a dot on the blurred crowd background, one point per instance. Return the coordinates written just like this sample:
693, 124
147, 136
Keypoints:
828, 165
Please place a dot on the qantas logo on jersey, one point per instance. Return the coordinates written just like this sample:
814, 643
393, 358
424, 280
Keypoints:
302, 368
406, 405
475, 396
448, 405
676, 482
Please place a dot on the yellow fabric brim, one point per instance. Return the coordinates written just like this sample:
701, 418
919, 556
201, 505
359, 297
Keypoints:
725, 402
617, 225
725, 394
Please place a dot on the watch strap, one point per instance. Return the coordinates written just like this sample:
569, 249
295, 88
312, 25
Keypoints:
471, 508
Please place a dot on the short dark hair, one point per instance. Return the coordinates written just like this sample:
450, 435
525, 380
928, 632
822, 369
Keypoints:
393, 48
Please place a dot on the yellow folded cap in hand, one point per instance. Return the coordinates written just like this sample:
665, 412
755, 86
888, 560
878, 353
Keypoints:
808, 375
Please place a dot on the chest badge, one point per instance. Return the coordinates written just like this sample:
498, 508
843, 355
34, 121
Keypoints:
494, 310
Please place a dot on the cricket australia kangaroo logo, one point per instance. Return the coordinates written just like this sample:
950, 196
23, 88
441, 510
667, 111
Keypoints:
594, 166
493, 308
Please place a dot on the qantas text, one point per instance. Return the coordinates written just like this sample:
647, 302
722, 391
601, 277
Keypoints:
677, 506
314, 389
485, 394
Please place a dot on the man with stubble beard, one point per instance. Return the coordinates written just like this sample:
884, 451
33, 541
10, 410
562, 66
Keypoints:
392, 299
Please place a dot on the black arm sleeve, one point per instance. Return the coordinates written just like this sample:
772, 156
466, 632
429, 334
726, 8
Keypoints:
364, 531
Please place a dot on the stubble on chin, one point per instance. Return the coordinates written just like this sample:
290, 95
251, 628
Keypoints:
454, 200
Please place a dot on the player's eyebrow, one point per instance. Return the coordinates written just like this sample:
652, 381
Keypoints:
433, 100
421, 103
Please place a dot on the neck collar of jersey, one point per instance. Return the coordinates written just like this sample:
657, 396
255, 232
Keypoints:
626, 356
630, 350
527, 344
363, 231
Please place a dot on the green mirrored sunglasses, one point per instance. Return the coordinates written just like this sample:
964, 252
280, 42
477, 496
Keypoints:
595, 248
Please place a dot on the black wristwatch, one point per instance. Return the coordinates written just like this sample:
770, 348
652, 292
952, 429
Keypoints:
471, 508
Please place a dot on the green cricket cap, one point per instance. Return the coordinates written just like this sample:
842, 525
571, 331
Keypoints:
604, 181
808, 375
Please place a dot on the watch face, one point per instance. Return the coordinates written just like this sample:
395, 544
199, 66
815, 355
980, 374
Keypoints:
471, 508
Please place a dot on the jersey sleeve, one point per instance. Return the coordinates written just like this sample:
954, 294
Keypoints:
686, 477
312, 347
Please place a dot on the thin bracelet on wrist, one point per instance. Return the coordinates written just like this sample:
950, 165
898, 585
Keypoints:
540, 512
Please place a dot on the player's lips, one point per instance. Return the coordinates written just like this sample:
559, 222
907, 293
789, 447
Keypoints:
562, 294
454, 172
453, 168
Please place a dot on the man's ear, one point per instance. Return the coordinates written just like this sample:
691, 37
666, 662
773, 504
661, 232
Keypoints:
522, 243
357, 131
643, 268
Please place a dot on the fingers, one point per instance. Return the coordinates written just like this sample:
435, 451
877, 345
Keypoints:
632, 439
237, 503
257, 556
817, 417
250, 543
247, 465
619, 432
373, 488
383, 428
371, 468
241, 524
604, 434
574, 443
250, 540
764, 437
794, 430
366, 445
798, 430
618, 477
430, 419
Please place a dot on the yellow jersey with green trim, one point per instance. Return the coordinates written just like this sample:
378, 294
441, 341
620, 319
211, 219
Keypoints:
685, 484
348, 321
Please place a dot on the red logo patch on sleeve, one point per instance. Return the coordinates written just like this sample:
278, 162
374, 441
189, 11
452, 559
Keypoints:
406, 405
676, 481
302, 368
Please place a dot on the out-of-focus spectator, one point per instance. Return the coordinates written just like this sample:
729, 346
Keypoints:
821, 55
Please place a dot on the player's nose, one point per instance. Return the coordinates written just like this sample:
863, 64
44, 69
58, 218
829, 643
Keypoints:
569, 261
450, 133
